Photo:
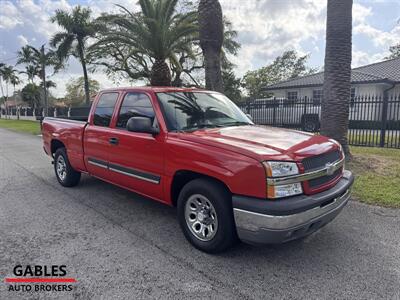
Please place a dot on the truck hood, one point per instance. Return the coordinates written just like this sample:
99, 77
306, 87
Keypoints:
263, 142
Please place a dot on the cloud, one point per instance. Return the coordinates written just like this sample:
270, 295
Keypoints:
101, 6
23, 41
371, 36
361, 13
362, 58
267, 28
378, 37
9, 15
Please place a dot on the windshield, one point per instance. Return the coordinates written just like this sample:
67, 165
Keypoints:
188, 111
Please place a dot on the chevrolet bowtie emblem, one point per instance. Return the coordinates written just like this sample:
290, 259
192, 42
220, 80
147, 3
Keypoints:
330, 168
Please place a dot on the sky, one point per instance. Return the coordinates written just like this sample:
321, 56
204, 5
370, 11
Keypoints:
266, 29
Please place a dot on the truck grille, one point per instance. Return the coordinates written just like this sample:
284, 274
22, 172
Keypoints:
317, 182
319, 161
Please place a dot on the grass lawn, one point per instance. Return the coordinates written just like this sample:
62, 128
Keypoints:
31, 127
377, 174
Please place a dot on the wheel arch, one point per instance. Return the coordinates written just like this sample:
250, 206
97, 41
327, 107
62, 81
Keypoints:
55, 145
182, 177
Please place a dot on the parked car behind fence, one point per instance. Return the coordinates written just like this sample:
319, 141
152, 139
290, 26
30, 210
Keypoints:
374, 120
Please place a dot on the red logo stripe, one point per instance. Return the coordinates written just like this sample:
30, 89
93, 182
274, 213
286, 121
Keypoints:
43, 279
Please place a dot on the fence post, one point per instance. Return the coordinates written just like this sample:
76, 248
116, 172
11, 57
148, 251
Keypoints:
274, 112
248, 106
384, 118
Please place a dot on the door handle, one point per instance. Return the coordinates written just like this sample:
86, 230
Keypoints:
114, 141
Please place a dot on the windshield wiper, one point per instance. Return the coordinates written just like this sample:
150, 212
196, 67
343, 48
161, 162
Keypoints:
236, 123
201, 125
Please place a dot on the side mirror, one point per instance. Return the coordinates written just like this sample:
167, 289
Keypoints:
141, 124
249, 116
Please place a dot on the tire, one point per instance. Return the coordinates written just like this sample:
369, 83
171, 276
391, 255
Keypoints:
65, 174
310, 124
205, 215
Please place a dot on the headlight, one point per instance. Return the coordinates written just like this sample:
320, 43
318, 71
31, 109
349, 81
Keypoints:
339, 145
279, 191
279, 169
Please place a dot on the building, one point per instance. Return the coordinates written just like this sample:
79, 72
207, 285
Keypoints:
371, 80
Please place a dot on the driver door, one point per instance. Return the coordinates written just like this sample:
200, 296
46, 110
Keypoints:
136, 160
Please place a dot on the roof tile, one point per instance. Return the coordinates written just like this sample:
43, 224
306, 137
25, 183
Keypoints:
385, 70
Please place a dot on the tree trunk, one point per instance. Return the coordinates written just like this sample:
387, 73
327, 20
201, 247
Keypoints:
337, 74
2, 93
46, 101
16, 102
6, 98
160, 73
212, 61
211, 33
85, 75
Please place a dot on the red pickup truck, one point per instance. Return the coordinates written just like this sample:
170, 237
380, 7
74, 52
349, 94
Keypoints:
196, 150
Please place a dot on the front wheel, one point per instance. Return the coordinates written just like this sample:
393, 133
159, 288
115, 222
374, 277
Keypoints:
205, 215
65, 174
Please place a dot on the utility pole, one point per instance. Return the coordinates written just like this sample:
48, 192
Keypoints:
43, 73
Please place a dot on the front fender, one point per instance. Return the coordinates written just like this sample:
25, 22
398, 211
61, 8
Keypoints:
241, 174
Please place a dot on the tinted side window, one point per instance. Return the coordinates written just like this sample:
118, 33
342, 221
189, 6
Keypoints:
104, 109
135, 105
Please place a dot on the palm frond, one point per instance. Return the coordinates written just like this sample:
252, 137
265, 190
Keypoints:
65, 47
58, 38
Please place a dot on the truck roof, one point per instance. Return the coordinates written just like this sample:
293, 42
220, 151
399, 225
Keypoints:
156, 89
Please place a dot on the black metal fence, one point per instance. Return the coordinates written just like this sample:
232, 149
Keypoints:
373, 120
76, 113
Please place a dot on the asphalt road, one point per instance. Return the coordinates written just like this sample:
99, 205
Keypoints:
119, 245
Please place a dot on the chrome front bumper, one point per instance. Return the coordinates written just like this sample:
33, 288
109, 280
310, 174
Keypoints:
278, 227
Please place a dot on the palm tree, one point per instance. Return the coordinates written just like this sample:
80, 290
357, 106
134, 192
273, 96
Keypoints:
157, 32
335, 104
78, 27
14, 80
8, 74
50, 84
31, 94
211, 31
37, 60
31, 71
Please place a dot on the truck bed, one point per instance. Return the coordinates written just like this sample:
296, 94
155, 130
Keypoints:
70, 133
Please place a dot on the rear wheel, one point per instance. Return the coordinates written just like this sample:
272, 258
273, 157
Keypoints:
65, 174
205, 215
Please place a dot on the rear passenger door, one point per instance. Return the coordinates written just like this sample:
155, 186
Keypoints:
97, 136
136, 160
